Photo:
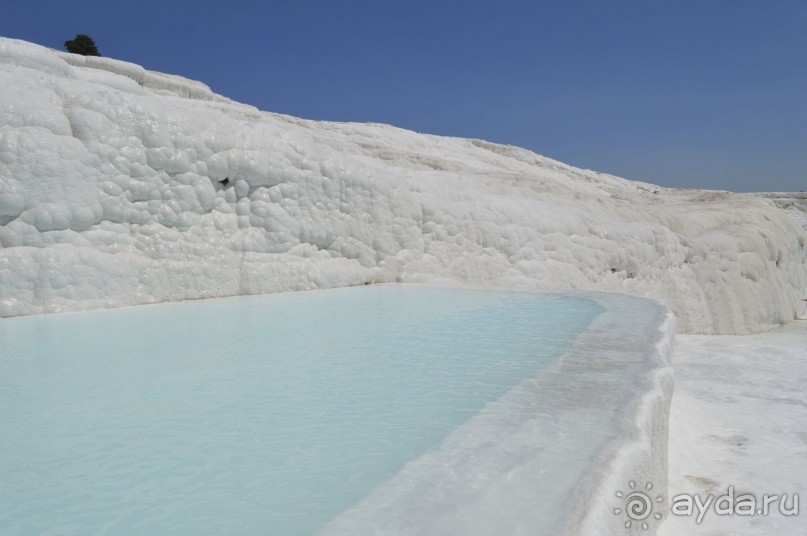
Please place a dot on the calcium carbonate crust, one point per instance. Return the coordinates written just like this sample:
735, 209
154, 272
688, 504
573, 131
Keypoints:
637, 460
121, 186
508, 470
794, 203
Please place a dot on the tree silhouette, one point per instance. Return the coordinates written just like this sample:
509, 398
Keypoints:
82, 44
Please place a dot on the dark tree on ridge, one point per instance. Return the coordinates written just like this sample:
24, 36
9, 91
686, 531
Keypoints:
82, 44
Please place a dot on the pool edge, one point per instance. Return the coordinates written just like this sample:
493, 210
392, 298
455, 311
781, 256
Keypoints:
638, 455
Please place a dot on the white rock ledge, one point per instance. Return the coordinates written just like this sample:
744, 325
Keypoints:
121, 186
548, 457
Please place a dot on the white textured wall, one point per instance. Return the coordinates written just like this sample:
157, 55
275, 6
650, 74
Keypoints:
110, 196
794, 203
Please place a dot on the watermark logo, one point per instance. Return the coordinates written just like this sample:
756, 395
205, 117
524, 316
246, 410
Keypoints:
641, 505
638, 505
731, 504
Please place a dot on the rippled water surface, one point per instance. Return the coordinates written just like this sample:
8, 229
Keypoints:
253, 415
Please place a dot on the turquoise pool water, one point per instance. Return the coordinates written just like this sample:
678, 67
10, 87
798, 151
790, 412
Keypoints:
252, 415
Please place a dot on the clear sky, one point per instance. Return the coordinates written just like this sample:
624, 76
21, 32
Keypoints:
708, 93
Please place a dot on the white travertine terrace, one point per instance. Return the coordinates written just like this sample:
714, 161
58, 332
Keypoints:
120, 186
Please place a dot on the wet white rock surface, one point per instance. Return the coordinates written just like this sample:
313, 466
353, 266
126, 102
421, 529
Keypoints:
738, 419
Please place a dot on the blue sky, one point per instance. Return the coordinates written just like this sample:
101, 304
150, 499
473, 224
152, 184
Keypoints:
706, 94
